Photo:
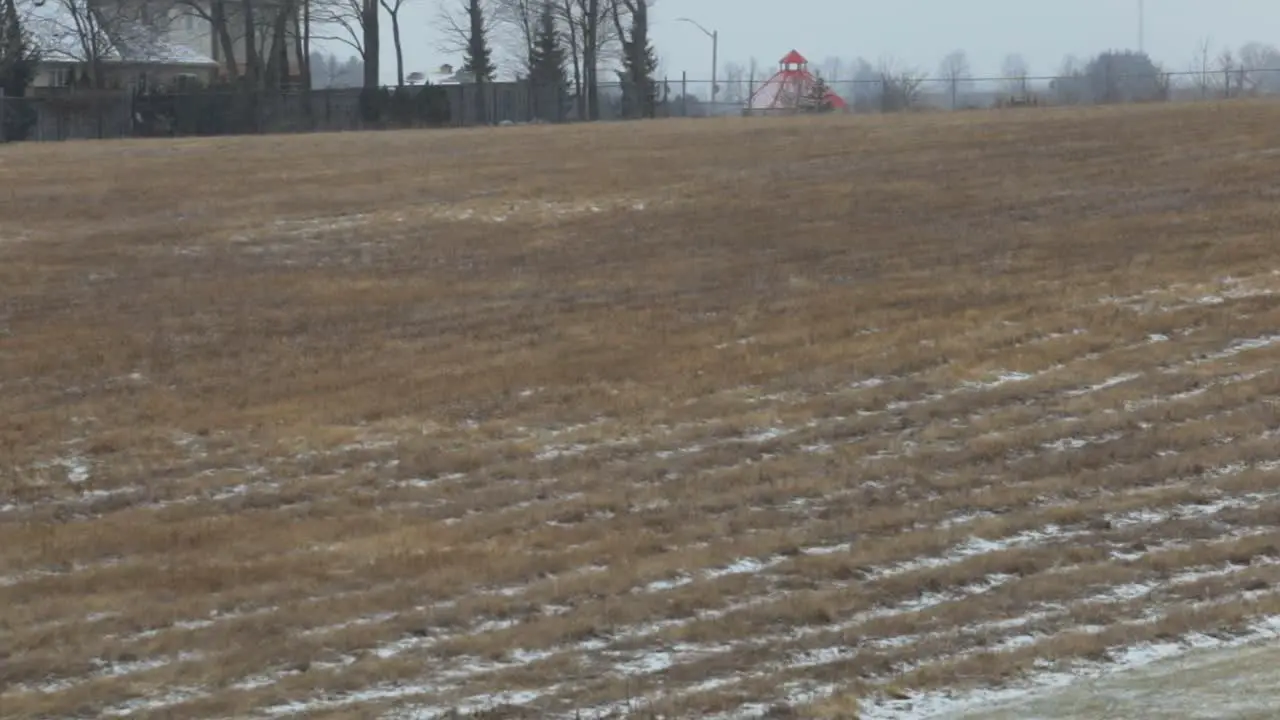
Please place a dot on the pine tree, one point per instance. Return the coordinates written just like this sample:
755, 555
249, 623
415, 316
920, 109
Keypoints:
639, 65
547, 72
18, 60
818, 98
639, 89
478, 59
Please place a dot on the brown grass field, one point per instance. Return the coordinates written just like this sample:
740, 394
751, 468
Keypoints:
683, 418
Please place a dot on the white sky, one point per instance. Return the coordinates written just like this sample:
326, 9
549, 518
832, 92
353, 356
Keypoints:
915, 32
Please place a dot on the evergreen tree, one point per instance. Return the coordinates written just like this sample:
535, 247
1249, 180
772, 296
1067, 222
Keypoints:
478, 58
639, 64
18, 60
547, 72
818, 98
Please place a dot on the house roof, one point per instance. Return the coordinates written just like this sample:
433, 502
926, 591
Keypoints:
63, 32
793, 58
446, 75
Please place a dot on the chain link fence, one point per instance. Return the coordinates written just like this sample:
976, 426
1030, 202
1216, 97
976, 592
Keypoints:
47, 114
899, 92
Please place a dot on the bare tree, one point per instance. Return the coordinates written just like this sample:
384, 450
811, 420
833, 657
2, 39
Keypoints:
639, 65
955, 70
393, 11
218, 14
277, 20
453, 19
353, 23
1071, 86
830, 68
372, 45
899, 85
79, 31
302, 47
589, 14
735, 90
517, 24
1229, 68
1259, 68
589, 37
340, 21
1202, 67
1015, 71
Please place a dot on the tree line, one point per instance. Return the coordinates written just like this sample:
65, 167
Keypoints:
889, 84
553, 43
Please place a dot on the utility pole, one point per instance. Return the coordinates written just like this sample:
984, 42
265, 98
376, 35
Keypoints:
715, 49
1142, 26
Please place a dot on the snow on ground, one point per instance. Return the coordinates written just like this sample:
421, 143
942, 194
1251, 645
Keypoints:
1166, 679
692, 439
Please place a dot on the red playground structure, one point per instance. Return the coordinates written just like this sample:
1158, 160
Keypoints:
788, 90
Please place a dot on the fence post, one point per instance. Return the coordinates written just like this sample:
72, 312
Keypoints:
3, 118
684, 94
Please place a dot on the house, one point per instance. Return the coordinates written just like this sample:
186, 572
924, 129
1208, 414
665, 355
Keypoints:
446, 75
145, 43
129, 44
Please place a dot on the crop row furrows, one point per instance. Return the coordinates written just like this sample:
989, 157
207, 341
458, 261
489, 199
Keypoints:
1251, 573
112, 500
493, 628
613, 446
880, 397
1083, 651
997, 346
675, 632
1010, 446
608, 510
884, 425
569, 586
566, 590
925, 619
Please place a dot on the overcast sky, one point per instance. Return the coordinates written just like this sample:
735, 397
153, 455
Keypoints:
915, 32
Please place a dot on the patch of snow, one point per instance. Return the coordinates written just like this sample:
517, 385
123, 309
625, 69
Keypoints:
1073, 443
661, 585
77, 469
1002, 377
744, 565
153, 702
763, 436
1108, 383
947, 703
827, 549
1242, 346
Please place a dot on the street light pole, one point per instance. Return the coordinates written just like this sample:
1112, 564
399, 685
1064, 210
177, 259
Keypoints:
1142, 26
715, 51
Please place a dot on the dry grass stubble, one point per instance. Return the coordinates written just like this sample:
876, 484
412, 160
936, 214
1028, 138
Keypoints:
711, 416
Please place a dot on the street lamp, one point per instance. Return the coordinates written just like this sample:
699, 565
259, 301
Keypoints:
1142, 26
715, 47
